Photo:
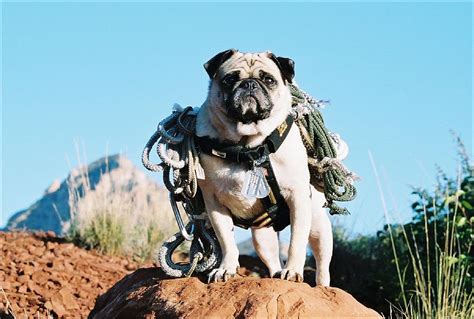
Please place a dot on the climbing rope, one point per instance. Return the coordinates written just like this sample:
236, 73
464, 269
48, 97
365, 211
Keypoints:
177, 151
175, 146
327, 172
174, 138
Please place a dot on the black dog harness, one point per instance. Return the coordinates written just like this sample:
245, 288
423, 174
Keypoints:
276, 212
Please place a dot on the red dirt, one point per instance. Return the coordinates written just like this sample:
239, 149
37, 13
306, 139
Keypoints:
41, 274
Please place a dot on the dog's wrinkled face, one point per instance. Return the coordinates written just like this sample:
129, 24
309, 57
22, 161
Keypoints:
247, 86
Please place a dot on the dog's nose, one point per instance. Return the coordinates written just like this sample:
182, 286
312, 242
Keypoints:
249, 84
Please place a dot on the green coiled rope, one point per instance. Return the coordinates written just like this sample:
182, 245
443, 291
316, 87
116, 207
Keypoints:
327, 173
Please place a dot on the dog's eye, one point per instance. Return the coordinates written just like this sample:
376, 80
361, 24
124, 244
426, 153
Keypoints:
269, 80
229, 80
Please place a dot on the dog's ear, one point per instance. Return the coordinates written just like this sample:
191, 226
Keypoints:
286, 66
213, 64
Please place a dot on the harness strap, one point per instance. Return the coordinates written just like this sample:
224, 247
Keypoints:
241, 154
277, 213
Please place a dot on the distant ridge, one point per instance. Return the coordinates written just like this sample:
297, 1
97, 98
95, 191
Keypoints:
52, 212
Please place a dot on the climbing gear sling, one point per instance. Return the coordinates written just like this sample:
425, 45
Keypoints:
176, 149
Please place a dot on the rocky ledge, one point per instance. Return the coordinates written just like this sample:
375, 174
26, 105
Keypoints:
148, 293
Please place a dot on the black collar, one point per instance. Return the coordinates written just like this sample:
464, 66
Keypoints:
242, 154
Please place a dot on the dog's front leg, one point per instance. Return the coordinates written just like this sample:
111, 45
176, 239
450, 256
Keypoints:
265, 242
223, 226
300, 218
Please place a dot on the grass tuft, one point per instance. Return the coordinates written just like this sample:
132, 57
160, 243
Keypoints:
433, 254
123, 214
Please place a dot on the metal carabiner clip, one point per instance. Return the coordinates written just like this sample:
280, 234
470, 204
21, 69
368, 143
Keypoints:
179, 220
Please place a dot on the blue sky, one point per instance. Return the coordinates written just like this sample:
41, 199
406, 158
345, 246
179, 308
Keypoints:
399, 77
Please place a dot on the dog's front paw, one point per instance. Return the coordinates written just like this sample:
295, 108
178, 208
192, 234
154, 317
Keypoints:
289, 274
221, 274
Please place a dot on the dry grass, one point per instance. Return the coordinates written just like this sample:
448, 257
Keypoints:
6, 310
123, 214
445, 295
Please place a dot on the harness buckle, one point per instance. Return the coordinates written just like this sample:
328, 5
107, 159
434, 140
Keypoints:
258, 156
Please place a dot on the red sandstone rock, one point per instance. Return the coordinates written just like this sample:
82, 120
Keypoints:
148, 294
68, 299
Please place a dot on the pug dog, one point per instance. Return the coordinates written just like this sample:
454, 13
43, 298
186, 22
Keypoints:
248, 99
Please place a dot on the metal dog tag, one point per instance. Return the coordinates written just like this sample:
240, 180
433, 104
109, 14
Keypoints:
200, 172
255, 184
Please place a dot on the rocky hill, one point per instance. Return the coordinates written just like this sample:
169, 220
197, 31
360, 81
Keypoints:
43, 276
52, 212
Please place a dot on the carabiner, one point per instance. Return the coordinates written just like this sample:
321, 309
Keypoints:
179, 220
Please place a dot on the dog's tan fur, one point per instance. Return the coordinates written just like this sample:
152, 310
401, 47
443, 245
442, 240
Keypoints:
224, 180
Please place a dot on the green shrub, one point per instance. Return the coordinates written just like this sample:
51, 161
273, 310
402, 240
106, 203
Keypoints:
437, 260
104, 232
424, 268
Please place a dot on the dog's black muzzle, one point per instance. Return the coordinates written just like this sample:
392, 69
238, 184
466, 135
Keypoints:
249, 102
